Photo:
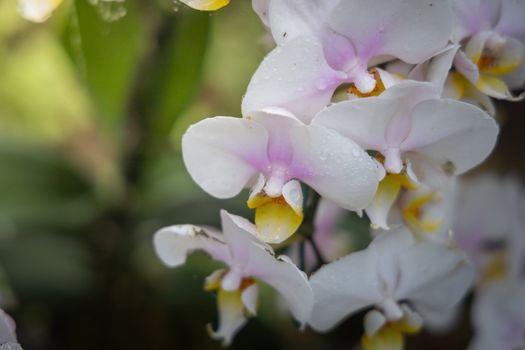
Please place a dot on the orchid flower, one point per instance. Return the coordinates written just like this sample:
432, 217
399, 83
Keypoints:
206, 5
418, 137
492, 34
247, 259
427, 212
489, 225
37, 10
271, 151
498, 317
323, 44
400, 278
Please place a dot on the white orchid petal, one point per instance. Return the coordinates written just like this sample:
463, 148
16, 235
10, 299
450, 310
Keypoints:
373, 322
295, 76
293, 195
466, 67
387, 27
451, 131
223, 153
250, 298
433, 276
334, 166
282, 274
511, 22
436, 69
473, 16
240, 236
206, 5
362, 121
344, 287
173, 244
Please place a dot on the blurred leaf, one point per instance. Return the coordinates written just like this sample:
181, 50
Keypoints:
47, 265
40, 96
179, 69
41, 190
108, 53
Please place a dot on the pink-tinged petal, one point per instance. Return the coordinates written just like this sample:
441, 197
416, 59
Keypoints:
173, 244
511, 22
334, 166
279, 123
387, 27
343, 288
436, 69
296, 77
281, 274
293, 18
466, 67
290, 19
362, 120
474, 16
451, 133
7, 329
222, 154
240, 236
433, 276
378, 123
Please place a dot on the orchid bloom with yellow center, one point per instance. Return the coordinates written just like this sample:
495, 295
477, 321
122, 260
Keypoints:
492, 57
248, 260
271, 151
401, 278
37, 10
419, 137
206, 5
323, 44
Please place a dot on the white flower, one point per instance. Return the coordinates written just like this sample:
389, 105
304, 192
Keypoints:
395, 275
271, 151
322, 44
419, 137
247, 259
492, 34
498, 316
489, 225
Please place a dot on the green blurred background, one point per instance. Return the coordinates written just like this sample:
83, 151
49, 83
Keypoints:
92, 108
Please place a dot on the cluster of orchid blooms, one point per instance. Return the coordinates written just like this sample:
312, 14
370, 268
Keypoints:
376, 107
373, 107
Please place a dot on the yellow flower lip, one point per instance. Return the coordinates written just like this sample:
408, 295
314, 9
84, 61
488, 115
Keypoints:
275, 219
